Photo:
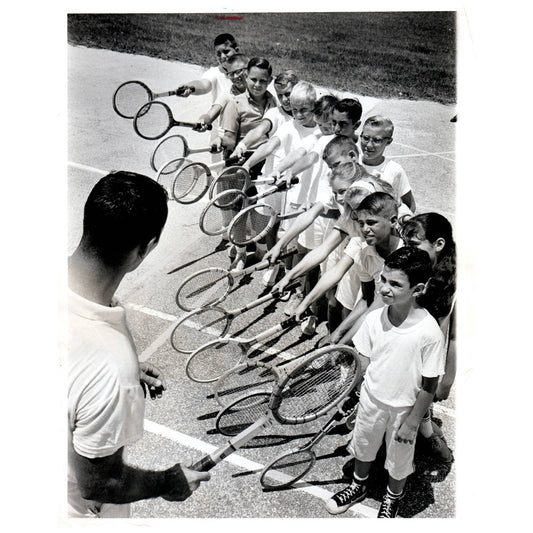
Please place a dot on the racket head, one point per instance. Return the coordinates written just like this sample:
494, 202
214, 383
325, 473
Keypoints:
204, 288
243, 379
153, 120
286, 469
198, 328
210, 361
171, 148
220, 211
129, 97
252, 224
242, 413
314, 385
234, 177
166, 175
191, 183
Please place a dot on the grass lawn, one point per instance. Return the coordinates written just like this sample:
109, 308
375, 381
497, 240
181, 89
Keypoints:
408, 55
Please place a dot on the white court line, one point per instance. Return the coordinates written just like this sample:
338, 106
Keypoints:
247, 464
87, 168
420, 155
424, 152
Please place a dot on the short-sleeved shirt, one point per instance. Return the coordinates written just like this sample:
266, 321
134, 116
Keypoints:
220, 83
370, 263
105, 398
399, 357
392, 173
276, 116
242, 114
348, 287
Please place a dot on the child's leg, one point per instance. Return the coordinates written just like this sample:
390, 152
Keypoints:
391, 501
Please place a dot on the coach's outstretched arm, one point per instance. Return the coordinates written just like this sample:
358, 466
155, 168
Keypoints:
110, 480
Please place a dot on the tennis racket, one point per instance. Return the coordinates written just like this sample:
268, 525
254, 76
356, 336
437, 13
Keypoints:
132, 95
304, 391
207, 363
207, 323
262, 218
191, 182
211, 285
291, 466
235, 177
171, 148
154, 120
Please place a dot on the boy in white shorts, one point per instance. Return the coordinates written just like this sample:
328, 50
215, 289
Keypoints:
400, 347
376, 136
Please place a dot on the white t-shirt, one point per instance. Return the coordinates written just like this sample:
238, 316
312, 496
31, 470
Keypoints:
371, 263
220, 86
347, 293
105, 398
399, 357
392, 173
276, 116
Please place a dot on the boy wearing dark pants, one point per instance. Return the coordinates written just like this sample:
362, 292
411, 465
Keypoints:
401, 350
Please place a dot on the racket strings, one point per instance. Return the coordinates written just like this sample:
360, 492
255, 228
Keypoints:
287, 469
313, 387
199, 328
216, 220
152, 120
191, 183
171, 148
243, 381
209, 362
203, 289
261, 222
231, 179
242, 413
130, 97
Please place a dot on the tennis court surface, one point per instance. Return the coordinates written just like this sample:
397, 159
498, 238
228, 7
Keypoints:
181, 424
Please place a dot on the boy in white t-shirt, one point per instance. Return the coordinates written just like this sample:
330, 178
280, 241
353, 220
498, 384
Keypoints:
376, 136
401, 352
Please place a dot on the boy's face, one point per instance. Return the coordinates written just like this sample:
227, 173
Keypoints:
302, 111
237, 74
257, 80
224, 51
374, 140
394, 287
375, 229
342, 165
342, 124
325, 125
284, 93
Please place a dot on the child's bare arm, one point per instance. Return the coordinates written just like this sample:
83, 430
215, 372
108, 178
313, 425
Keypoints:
299, 224
409, 200
252, 138
409, 427
328, 280
311, 259
208, 118
445, 385
262, 152
196, 87
297, 161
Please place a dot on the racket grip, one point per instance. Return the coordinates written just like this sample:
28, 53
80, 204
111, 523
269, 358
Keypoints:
203, 465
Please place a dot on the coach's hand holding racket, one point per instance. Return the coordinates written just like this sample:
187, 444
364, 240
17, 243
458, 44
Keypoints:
174, 480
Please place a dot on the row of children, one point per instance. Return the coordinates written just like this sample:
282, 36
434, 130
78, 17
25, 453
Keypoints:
385, 275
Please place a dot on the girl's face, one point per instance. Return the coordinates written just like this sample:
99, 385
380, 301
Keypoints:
418, 240
339, 187
257, 81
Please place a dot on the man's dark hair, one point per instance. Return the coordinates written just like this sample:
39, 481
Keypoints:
124, 210
414, 262
351, 106
223, 37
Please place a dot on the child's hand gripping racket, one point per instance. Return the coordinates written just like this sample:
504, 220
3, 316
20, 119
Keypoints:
132, 95
304, 391
207, 323
211, 285
154, 120
210, 361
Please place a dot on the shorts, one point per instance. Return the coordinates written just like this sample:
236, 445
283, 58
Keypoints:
375, 421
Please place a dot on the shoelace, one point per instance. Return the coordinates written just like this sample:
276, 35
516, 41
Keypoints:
347, 493
386, 506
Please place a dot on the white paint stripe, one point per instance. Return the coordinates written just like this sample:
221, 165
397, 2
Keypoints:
151, 312
440, 409
247, 464
87, 168
423, 151
420, 155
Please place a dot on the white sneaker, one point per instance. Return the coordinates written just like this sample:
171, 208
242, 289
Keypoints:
269, 277
295, 300
308, 326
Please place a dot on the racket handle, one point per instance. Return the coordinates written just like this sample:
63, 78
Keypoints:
190, 125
